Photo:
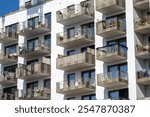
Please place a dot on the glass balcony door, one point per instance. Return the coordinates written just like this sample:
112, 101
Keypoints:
48, 20
32, 44
10, 49
88, 76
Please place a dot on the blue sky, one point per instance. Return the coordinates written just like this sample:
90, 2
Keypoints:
7, 6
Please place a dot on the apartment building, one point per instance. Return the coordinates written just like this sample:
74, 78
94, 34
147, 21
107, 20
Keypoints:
76, 50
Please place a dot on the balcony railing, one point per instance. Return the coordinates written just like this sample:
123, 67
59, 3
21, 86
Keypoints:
143, 77
32, 3
8, 58
81, 37
75, 86
34, 71
113, 79
7, 78
142, 25
7, 96
110, 6
112, 53
113, 28
8, 37
141, 4
142, 52
34, 28
77, 61
38, 94
75, 13
39, 48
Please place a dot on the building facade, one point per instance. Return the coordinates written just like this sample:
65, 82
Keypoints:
76, 50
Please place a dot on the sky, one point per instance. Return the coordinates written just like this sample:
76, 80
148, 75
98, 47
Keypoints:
7, 6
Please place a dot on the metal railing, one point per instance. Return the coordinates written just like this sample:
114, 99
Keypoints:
64, 37
38, 45
111, 76
75, 10
105, 3
40, 22
65, 85
9, 34
26, 70
111, 50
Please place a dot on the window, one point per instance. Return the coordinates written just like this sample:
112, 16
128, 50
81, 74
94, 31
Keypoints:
12, 30
89, 97
33, 22
48, 20
70, 52
32, 44
32, 62
47, 83
88, 29
72, 98
10, 90
118, 94
10, 68
71, 80
71, 32
116, 71
32, 86
11, 49
47, 41
86, 75
84, 49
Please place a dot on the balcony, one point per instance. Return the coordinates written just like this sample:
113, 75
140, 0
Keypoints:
75, 86
75, 14
81, 37
143, 77
142, 52
110, 29
7, 78
77, 61
112, 53
116, 79
8, 58
34, 71
143, 98
38, 94
141, 4
7, 96
29, 51
31, 3
35, 28
142, 25
8, 37
110, 6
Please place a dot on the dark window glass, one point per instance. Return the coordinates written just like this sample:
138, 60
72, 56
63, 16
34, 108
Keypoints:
118, 94
70, 52
32, 62
84, 49
32, 86
71, 32
10, 68
32, 44
89, 97
10, 49
86, 75
10, 90
71, 80
72, 98
47, 40
47, 83
48, 20
33, 22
